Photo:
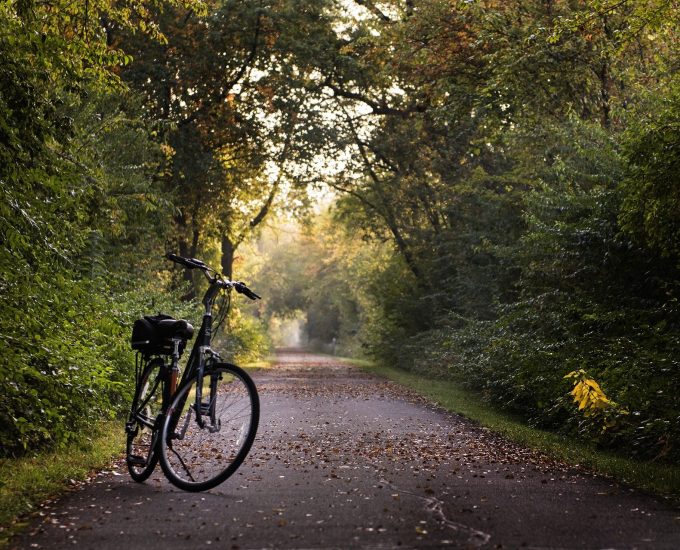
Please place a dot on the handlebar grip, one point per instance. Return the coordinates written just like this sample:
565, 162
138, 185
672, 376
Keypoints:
241, 288
179, 260
252, 295
191, 263
174, 257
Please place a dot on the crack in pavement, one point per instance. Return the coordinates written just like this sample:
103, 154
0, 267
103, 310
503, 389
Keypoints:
435, 506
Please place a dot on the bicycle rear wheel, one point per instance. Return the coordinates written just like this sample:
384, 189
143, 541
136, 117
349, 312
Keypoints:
141, 428
198, 456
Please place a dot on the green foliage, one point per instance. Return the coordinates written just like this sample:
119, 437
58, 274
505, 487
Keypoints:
651, 192
507, 176
314, 276
244, 339
76, 175
588, 298
51, 388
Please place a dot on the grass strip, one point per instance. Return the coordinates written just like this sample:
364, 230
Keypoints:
661, 479
262, 364
26, 482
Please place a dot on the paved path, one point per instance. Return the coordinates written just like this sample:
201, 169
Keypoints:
346, 460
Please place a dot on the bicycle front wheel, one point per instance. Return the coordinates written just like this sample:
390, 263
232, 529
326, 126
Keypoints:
202, 444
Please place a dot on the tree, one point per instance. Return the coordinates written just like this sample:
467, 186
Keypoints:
238, 115
75, 165
651, 190
486, 145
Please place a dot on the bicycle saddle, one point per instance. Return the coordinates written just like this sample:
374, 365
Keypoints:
175, 328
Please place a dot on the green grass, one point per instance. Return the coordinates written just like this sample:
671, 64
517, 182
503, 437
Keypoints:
266, 363
27, 482
657, 478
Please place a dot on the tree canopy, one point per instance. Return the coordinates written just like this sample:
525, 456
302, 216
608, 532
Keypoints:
505, 182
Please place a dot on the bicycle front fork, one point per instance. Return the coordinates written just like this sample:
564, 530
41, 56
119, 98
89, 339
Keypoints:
207, 409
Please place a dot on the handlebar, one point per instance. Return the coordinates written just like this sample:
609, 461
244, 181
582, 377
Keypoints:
193, 263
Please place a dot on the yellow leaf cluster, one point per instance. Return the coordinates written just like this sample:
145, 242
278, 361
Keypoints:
591, 399
589, 396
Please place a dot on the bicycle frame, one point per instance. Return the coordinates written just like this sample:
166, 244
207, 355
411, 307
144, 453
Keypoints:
196, 363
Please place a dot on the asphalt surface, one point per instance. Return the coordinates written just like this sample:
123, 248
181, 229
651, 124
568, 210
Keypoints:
346, 460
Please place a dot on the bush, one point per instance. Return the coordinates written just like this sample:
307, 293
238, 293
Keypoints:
244, 338
573, 292
590, 299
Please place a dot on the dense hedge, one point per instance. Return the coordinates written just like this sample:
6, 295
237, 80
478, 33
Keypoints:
592, 289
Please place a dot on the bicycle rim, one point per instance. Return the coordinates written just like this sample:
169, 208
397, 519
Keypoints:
198, 457
142, 433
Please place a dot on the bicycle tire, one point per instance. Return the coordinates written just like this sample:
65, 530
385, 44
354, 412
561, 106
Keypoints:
142, 426
196, 458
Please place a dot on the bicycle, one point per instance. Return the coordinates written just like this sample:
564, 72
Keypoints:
202, 427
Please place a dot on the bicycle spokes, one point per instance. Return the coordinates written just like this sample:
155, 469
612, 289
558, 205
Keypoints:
216, 433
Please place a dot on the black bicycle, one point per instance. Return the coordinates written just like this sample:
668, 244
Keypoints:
202, 427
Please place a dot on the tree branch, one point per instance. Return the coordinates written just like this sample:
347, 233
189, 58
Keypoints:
264, 210
377, 108
370, 6
355, 194
387, 213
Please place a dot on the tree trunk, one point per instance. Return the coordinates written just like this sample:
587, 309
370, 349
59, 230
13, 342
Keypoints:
228, 251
